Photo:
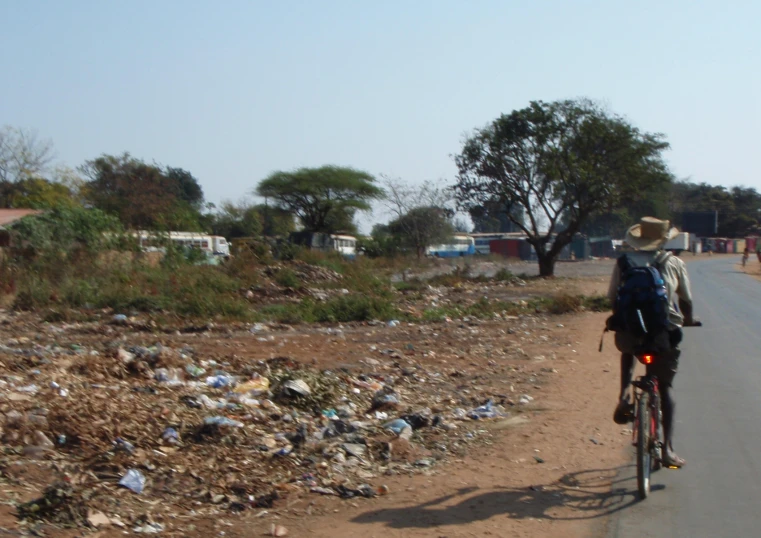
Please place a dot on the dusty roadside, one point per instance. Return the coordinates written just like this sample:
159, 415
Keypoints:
504, 490
545, 468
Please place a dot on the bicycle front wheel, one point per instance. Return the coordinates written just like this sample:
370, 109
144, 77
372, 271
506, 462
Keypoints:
644, 459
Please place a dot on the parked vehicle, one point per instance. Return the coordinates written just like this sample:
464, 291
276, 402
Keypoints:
459, 245
344, 244
482, 241
679, 244
214, 245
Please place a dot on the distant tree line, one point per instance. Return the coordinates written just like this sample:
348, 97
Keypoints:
550, 170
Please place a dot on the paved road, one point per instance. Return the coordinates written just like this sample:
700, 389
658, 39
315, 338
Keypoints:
718, 430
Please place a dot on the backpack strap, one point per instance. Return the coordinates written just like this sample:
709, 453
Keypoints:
625, 263
660, 260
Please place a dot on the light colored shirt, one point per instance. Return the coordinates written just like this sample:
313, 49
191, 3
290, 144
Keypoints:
674, 272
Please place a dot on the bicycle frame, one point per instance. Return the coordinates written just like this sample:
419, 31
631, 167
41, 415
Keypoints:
648, 384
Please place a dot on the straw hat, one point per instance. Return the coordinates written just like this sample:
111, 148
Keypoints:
650, 234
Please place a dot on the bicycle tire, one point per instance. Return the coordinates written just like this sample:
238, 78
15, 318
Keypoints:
644, 458
657, 445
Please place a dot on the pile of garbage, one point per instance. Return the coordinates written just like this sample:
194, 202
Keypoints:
234, 434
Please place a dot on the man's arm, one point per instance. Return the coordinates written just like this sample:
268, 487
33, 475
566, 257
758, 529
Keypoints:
615, 282
684, 293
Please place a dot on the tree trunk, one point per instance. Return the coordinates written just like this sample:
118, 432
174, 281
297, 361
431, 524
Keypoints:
546, 264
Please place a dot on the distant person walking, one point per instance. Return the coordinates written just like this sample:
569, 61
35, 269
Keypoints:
746, 255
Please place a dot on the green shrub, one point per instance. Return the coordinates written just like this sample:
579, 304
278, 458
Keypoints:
503, 275
597, 303
355, 308
286, 278
564, 303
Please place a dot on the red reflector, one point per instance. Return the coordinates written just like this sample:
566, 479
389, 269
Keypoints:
647, 359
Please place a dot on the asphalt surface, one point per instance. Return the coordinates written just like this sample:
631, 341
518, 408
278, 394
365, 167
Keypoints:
718, 414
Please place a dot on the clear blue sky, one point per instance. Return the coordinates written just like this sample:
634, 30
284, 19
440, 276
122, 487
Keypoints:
233, 89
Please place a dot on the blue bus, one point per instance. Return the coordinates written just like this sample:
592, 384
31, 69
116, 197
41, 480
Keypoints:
459, 245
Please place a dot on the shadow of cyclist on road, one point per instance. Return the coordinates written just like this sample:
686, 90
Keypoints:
576, 496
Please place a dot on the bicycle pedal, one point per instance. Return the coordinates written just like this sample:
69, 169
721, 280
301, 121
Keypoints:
673, 467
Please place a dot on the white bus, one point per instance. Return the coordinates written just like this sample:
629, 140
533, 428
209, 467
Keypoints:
459, 245
346, 245
214, 245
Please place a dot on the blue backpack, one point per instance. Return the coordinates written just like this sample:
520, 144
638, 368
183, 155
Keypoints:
642, 302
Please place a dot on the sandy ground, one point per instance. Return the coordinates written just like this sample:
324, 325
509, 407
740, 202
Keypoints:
504, 490
550, 470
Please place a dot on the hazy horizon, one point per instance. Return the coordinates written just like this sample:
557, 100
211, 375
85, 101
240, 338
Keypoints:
237, 90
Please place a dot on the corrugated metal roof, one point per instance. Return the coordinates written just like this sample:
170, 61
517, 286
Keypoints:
9, 216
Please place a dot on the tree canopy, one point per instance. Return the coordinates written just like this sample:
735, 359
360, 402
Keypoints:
560, 163
325, 199
422, 227
738, 207
143, 195
423, 214
23, 154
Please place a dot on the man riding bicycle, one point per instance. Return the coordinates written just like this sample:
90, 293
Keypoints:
647, 239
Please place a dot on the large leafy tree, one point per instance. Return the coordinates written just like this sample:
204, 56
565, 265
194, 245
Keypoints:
237, 220
423, 214
561, 163
39, 193
422, 227
143, 195
325, 199
494, 218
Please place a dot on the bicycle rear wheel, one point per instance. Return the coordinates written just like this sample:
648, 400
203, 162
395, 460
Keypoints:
657, 435
644, 458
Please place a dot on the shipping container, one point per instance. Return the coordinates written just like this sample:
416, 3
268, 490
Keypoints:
751, 243
601, 247
580, 248
509, 248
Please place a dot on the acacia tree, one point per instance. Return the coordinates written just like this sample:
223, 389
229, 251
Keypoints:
322, 198
561, 163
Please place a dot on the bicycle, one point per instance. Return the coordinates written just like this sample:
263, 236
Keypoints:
648, 413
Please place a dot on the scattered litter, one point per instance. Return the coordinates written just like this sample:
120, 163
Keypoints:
222, 421
296, 387
170, 436
220, 381
256, 386
400, 427
488, 410
133, 480
278, 530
